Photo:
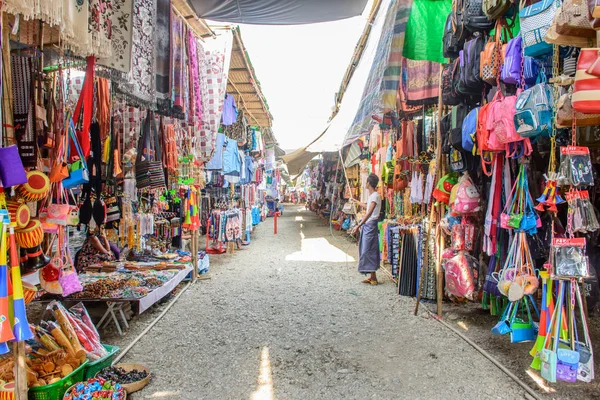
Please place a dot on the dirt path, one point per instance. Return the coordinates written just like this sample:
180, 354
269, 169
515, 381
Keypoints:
278, 322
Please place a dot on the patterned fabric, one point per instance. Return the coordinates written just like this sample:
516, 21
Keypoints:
421, 80
370, 103
213, 59
163, 56
177, 43
392, 74
196, 101
140, 88
100, 22
121, 35
22, 85
237, 130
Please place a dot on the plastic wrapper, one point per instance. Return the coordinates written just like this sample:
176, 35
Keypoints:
575, 166
81, 337
82, 319
581, 212
569, 258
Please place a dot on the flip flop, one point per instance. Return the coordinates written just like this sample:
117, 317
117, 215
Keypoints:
369, 281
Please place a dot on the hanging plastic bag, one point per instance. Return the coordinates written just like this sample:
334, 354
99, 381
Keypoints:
575, 166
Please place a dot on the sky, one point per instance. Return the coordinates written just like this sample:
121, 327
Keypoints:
300, 69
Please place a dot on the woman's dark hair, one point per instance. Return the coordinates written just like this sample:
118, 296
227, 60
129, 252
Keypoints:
373, 181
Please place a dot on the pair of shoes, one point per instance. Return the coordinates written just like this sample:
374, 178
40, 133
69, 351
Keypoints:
369, 281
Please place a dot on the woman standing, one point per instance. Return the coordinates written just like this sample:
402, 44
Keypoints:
368, 246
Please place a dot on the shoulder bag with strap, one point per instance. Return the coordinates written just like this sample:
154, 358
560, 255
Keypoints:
149, 172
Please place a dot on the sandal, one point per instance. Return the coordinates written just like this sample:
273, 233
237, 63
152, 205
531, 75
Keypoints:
369, 281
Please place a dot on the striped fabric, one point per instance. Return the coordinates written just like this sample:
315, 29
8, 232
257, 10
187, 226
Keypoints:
371, 101
393, 72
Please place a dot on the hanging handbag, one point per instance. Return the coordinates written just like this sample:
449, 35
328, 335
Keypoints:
586, 93
12, 171
533, 116
149, 172
535, 22
563, 39
78, 170
572, 19
492, 56
564, 114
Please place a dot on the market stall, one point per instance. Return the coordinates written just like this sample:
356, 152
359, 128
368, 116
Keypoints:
479, 122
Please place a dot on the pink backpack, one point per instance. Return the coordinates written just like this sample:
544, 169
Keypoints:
501, 120
460, 281
467, 197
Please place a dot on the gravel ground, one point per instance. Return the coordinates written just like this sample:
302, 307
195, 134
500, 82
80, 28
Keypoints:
275, 321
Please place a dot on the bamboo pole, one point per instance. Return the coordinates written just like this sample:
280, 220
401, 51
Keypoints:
20, 370
439, 234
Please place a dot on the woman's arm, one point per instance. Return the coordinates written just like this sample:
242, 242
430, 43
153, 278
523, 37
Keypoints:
98, 246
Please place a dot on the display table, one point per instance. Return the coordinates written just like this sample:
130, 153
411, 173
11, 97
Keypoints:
114, 312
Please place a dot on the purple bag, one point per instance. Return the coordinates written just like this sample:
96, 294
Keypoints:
511, 70
12, 172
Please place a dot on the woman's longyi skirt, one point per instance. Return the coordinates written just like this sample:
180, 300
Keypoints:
368, 248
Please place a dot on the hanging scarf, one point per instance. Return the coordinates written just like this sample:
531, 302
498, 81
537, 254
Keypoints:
49, 11
163, 56
121, 36
75, 32
177, 40
196, 103
421, 82
213, 59
103, 107
26, 8
140, 87
100, 27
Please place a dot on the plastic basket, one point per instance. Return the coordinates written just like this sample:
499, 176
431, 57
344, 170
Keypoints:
57, 390
94, 367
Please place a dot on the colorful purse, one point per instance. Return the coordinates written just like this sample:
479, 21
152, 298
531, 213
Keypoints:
12, 171
78, 170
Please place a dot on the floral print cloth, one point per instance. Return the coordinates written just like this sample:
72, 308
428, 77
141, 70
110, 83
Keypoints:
140, 87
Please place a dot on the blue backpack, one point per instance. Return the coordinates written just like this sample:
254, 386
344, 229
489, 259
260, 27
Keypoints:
533, 110
469, 130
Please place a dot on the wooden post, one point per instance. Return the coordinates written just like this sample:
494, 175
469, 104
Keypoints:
20, 370
194, 246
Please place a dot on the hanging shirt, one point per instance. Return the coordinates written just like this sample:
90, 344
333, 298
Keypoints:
216, 162
232, 162
230, 112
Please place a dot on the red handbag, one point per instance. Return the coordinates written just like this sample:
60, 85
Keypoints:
586, 93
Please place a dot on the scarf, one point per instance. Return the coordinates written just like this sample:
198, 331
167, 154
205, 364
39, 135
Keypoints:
101, 12
49, 11
163, 56
196, 103
140, 88
177, 43
213, 62
75, 32
121, 36
103, 107
421, 82
26, 8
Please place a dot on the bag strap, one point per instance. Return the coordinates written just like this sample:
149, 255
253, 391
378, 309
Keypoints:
73, 137
86, 99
